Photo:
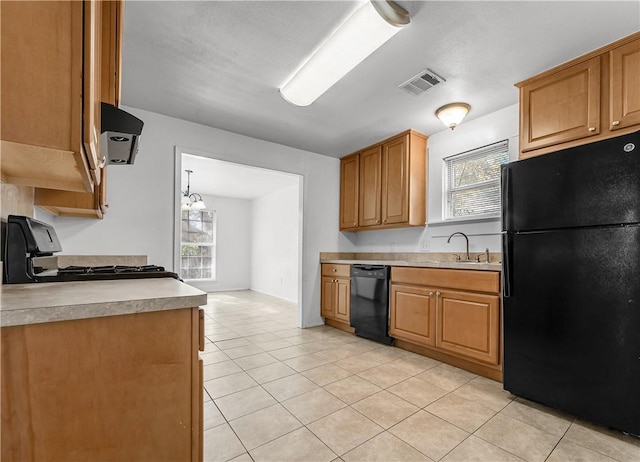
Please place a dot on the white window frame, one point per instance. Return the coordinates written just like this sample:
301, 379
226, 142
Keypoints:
501, 147
201, 244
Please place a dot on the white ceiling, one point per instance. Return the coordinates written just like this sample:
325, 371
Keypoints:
218, 178
220, 63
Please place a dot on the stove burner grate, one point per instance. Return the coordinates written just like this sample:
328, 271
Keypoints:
112, 269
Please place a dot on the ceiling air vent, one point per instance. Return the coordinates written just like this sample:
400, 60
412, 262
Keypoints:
422, 82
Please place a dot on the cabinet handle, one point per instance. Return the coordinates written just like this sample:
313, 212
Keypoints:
438, 294
103, 162
615, 123
592, 129
431, 294
355, 224
335, 269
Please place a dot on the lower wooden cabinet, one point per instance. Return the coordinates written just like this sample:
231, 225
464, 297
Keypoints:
125, 387
448, 313
335, 301
469, 325
413, 314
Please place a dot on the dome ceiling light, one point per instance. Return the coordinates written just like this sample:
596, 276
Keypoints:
452, 114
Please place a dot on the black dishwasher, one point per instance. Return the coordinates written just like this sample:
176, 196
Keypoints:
370, 302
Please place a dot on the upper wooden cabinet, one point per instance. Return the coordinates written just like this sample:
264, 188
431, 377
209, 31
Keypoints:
73, 203
349, 184
370, 187
47, 94
390, 184
625, 85
590, 98
60, 60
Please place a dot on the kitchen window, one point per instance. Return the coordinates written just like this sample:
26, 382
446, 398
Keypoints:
472, 183
198, 244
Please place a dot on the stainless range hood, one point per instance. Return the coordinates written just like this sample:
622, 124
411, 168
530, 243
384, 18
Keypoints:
120, 133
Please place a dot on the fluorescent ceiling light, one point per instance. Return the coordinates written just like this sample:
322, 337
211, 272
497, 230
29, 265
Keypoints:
368, 28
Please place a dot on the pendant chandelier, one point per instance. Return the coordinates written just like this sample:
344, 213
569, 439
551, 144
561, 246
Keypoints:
191, 201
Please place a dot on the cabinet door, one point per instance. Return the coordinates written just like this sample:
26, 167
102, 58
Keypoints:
370, 178
92, 90
395, 181
468, 325
327, 298
413, 316
625, 86
561, 107
41, 86
349, 190
343, 299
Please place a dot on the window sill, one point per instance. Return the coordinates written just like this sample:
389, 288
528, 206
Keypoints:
455, 221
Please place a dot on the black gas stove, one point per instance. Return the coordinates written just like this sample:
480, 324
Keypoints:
94, 273
27, 238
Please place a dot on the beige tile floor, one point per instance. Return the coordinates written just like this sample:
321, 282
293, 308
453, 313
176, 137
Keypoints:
278, 393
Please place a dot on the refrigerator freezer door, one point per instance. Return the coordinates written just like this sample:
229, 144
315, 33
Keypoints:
572, 322
590, 185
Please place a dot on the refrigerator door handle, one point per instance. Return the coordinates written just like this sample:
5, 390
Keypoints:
506, 265
506, 224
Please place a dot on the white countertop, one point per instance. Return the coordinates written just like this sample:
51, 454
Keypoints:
62, 301
423, 264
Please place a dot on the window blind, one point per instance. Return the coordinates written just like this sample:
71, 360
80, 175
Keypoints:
472, 186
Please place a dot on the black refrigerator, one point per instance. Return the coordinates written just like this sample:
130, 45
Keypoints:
571, 280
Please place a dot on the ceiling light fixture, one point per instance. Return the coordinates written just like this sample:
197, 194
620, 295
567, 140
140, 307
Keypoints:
452, 114
191, 201
368, 28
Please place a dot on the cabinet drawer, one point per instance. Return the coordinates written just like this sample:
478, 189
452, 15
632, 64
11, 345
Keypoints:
482, 281
342, 271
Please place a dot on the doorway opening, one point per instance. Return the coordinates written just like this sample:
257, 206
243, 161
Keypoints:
249, 233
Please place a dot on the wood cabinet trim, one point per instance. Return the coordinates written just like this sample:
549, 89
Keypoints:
410, 132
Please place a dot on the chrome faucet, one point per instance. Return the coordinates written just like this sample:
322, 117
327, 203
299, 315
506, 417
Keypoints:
466, 238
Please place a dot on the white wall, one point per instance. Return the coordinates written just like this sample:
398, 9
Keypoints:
140, 219
233, 244
497, 126
274, 243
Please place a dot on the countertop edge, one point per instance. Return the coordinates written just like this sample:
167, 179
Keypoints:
37, 311
424, 264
